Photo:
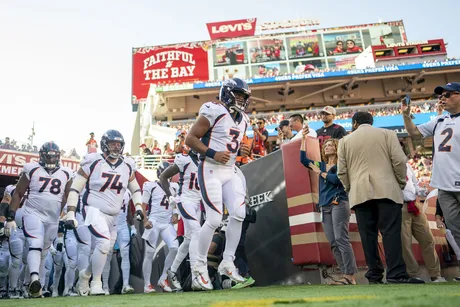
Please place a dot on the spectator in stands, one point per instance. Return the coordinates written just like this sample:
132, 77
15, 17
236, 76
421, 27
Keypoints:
446, 137
335, 209
284, 132
329, 130
372, 168
296, 123
156, 150
179, 143
91, 145
145, 150
260, 138
7, 144
168, 151
415, 223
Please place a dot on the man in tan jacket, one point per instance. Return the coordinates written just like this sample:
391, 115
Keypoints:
372, 168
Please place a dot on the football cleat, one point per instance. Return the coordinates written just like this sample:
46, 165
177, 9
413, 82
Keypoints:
149, 289
164, 284
172, 277
228, 269
25, 291
127, 290
202, 277
83, 283
72, 292
106, 291
35, 289
46, 292
96, 288
195, 285
15, 293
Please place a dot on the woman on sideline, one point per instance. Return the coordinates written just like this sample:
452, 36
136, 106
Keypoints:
335, 209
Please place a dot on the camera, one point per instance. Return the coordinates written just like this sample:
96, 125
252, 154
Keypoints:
255, 126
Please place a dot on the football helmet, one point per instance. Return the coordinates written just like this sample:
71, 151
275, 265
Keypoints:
112, 137
235, 94
50, 155
161, 168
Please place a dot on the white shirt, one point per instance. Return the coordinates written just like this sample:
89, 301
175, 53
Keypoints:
311, 133
411, 189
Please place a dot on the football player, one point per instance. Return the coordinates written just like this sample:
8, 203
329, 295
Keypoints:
70, 258
106, 176
186, 165
160, 222
124, 234
48, 184
217, 136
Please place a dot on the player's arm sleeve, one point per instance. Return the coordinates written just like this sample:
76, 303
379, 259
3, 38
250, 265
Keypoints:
146, 193
427, 129
342, 169
135, 190
78, 183
208, 110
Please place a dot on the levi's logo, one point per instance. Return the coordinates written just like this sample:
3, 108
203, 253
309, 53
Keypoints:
231, 28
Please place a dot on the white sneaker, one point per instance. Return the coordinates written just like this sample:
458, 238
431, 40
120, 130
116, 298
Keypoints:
106, 291
96, 288
149, 289
83, 283
228, 269
439, 279
164, 284
195, 285
172, 277
127, 290
202, 277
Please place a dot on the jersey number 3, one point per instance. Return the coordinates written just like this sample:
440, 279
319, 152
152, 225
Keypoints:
233, 146
112, 181
444, 147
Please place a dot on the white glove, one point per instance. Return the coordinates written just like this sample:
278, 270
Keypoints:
59, 244
10, 228
173, 201
133, 231
53, 251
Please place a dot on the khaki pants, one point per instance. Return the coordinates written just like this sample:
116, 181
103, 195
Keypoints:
418, 227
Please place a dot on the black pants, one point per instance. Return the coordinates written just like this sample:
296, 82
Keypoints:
383, 215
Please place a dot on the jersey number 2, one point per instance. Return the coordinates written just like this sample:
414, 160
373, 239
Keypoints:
233, 146
443, 147
55, 185
111, 180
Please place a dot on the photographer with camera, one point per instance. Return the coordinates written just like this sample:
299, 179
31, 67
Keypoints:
260, 138
179, 143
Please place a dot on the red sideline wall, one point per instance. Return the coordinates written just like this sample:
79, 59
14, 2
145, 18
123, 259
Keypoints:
309, 243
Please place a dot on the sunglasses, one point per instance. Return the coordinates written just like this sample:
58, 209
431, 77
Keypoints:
447, 95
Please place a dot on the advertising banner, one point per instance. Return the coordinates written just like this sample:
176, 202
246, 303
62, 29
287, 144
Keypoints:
12, 162
232, 28
166, 65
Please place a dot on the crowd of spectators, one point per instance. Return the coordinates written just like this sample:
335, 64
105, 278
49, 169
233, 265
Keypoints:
9, 144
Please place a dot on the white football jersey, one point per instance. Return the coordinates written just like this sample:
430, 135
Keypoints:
224, 133
445, 130
45, 191
188, 182
106, 183
158, 208
121, 219
18, 217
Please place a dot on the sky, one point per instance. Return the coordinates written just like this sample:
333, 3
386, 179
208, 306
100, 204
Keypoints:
66, 65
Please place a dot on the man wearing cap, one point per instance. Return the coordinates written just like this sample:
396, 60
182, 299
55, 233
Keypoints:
91, 145
445, 130
145, 150
329, 130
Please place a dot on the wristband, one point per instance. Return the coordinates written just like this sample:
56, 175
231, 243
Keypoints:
11, 216
210, 153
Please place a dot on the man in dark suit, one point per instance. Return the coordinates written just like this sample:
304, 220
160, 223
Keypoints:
372, 168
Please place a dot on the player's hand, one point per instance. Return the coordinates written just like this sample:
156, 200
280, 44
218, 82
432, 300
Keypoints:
133, 231
175, 218
245, 150
70, 221
139, 214
173, 201
440, 107
59, 244
222, 156
305, 131
53, 251
10, 228
440, 224
148, 225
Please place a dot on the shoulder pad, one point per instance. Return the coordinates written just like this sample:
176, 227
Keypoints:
90, 158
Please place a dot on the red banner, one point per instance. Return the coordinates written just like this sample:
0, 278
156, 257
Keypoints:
232, 28
11, 162
165, 65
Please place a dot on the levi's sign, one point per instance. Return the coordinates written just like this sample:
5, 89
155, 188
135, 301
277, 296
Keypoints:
231, 29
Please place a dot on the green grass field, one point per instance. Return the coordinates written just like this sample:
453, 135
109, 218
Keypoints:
447, 294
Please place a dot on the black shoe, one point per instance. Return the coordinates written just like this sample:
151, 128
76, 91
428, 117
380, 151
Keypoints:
409, 280
35, 289
376, 282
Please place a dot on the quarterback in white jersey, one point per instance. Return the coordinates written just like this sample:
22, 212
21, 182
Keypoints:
217, 136
106, 176
48, 185
186, 165
445, 130
161, 217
